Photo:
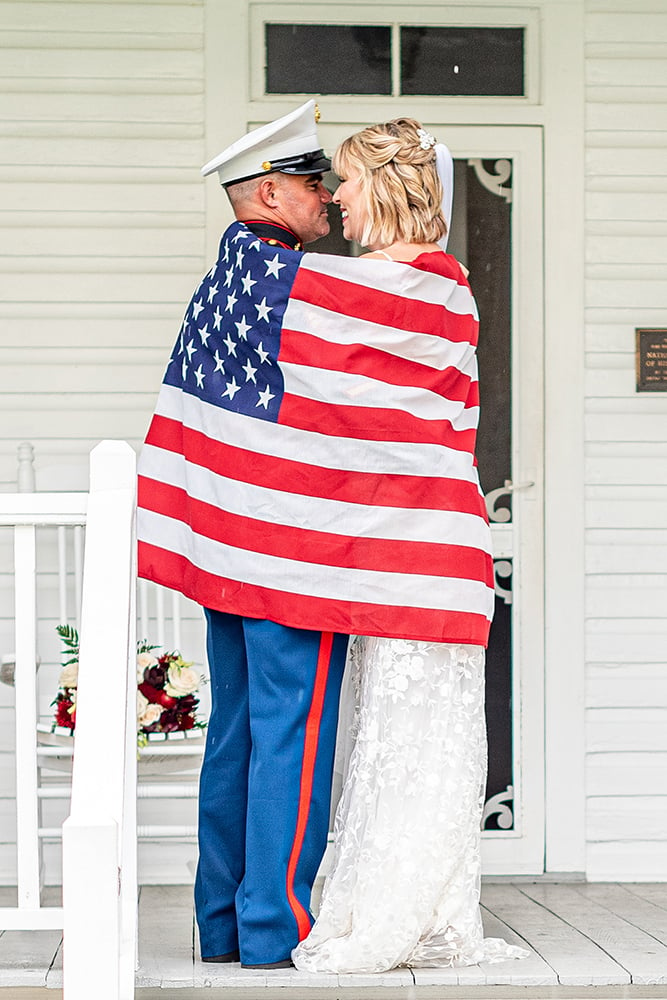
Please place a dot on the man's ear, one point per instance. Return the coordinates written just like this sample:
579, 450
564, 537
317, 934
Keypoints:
267, 191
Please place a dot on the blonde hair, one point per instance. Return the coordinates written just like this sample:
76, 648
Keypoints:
399, 179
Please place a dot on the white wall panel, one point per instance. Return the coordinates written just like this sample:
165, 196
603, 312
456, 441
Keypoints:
103, 211
626, 435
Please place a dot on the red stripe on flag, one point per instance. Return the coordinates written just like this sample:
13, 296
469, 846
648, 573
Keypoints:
347, 486
319, 547
303, 611
358, 359
344, 298
311, 740
370, 423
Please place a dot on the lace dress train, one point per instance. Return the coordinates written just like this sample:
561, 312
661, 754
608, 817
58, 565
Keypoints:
405, 880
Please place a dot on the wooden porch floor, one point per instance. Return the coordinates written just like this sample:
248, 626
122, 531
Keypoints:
593, 940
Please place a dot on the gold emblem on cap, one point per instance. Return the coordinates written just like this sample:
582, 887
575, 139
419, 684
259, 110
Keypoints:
266, 165
317, 113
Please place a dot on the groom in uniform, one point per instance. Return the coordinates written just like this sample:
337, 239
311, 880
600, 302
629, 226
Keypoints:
266, 776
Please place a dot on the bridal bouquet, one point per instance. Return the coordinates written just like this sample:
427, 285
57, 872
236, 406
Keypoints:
167, 689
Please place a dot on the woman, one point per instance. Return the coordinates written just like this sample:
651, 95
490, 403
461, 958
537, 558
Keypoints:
405, 881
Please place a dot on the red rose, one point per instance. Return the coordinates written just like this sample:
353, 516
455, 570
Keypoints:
157, 697
63, 716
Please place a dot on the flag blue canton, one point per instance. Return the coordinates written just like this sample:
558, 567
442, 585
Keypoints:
228, 345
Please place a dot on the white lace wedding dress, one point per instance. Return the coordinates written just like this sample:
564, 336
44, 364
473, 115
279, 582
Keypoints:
405, 882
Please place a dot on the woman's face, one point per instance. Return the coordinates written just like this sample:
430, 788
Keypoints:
352, 203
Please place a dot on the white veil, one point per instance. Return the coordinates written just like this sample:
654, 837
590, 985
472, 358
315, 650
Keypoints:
445, 167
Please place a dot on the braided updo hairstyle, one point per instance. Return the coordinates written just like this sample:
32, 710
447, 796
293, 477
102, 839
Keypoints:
400, 181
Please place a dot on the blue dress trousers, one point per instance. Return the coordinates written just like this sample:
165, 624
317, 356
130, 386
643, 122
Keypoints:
265, 784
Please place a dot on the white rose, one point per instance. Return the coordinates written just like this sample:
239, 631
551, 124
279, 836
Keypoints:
142, 704
144, 660
181, 681
151, 715
69, 676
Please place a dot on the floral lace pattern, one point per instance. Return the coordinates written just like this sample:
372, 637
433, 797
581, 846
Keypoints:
405, 882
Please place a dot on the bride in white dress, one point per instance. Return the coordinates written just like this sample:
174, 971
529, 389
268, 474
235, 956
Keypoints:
404, 885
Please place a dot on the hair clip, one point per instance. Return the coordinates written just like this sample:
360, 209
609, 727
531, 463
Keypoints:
426, 140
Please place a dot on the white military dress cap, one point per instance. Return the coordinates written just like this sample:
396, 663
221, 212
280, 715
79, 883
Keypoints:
289, 145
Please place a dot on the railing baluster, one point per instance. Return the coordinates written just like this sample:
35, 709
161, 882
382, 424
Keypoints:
78, 572
142, 594
160, 629
62, 573
25, 680
176, 619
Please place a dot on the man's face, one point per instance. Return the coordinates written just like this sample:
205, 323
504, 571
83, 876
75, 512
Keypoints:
301, 202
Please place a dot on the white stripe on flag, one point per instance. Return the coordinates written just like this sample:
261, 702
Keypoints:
314, 513
342, 389
405, 282
323, 450
424, 348
297, 577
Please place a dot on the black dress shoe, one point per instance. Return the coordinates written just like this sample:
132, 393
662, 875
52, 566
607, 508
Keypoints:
287, 963
230, 956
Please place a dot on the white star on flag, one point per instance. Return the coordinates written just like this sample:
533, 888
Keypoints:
243, 328
263, 355
239, 257
263, 309
247, 283
191, 349
212, 292
273, 267
231, 302
265, 398
249, 372
219, 363
204, 334
231, 344
217, 319
229, 274
197, 308
200, 376
232, 389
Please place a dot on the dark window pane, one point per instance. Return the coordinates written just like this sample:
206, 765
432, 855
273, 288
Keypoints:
462, 61
328, 59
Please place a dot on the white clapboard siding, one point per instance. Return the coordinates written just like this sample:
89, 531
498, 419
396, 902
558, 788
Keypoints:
102, 207
626, 441
628, 774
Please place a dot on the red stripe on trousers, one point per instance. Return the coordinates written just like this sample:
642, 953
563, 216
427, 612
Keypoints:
313, 723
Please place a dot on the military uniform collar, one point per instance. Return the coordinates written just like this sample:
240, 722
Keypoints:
274, 235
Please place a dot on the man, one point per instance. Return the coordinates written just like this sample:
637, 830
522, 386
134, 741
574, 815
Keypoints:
266, 777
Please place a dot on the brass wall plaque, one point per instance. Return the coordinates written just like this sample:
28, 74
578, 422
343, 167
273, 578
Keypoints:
651, 360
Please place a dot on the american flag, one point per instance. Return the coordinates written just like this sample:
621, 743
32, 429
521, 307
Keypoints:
311, 456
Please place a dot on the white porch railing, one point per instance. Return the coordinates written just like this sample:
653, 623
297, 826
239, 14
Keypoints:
99, 912
100, 834
25, 512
